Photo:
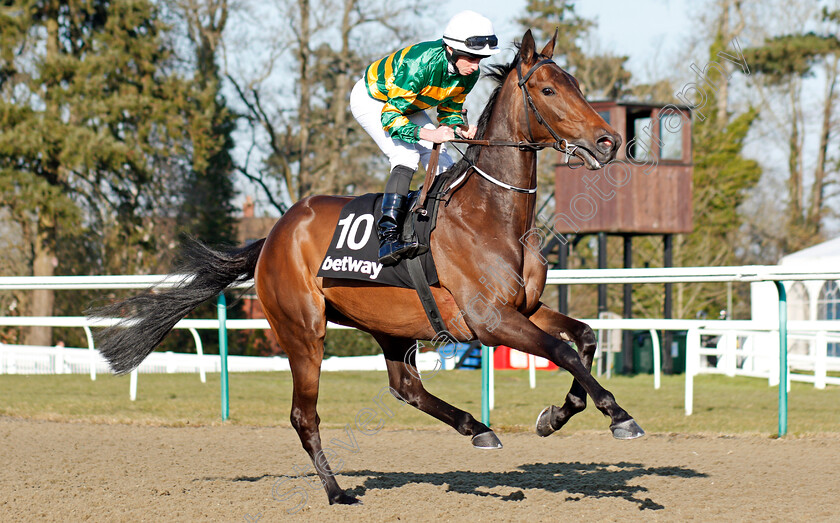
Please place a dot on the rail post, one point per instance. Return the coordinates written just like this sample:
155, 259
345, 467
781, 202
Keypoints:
221, 308
692, 356
485, 385
91, 352
491, 381
532, 371
783, 371
657, 358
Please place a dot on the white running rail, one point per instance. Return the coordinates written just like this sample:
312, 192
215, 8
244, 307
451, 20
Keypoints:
738, 353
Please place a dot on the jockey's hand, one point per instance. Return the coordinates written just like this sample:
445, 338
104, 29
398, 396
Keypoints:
468, 133
438, 135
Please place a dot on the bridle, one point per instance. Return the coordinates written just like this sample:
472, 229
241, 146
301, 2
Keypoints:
560, 144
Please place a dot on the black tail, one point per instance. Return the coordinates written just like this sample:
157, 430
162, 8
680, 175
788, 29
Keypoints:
148, 317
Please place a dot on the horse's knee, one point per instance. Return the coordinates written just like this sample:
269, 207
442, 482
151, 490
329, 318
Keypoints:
411, 397
587, 335
296, 418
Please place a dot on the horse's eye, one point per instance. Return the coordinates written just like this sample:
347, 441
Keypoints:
548, 91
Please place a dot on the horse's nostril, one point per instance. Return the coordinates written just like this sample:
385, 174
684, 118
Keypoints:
605, 142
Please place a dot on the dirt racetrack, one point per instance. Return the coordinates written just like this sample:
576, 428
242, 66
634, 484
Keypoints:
79, 471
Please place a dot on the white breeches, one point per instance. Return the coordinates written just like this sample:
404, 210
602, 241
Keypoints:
368, 112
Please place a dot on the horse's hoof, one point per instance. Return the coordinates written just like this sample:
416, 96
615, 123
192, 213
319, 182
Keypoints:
627, 430
486, 440
544, 427
344, 499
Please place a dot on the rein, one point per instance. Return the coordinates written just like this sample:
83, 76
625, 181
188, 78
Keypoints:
564, 146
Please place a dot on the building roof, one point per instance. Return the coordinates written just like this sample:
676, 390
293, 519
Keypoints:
819, 254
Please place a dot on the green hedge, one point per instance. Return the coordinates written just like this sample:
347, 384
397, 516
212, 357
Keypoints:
349, 342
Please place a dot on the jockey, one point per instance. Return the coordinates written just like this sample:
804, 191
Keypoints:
389, 103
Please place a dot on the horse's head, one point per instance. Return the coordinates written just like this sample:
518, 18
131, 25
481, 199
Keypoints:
557, 109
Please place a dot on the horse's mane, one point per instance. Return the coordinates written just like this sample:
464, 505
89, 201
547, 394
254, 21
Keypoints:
497, 73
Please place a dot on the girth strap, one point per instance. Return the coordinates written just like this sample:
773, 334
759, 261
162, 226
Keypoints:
424, 291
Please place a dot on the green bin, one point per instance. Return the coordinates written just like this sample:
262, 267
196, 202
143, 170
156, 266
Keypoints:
643, 351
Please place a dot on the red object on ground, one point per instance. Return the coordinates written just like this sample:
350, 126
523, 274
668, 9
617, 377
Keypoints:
506, 358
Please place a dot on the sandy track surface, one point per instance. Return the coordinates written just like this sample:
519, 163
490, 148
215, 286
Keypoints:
78, 471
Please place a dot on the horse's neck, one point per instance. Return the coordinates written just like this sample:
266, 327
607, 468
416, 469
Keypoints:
507, 164
491, 217
498, 206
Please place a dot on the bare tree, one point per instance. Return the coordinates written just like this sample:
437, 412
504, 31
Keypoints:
785, 64
312, 146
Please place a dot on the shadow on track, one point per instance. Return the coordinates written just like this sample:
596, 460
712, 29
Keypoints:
579, 480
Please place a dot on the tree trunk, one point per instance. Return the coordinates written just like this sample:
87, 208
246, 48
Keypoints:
42, 300
728, 32
795, 175
304, 84
815, 205
722, 98
340, 97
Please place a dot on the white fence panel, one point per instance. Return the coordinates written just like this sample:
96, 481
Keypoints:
27, 359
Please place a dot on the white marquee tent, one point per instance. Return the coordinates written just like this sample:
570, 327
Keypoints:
807, 300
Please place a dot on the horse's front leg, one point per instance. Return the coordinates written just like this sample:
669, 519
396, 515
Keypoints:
515, 330
553, 418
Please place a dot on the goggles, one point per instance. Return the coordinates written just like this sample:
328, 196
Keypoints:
478, 42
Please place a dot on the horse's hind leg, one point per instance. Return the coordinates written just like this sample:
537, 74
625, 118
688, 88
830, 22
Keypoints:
407, 385
301, 334
306, 372
305, 420
553, 418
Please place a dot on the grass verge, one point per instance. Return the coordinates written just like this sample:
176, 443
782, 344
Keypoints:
721, 406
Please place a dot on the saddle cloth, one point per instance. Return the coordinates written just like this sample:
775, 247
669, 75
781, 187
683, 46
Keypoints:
354, 249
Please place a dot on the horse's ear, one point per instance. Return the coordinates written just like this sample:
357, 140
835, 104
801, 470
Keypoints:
548, 50
527, 48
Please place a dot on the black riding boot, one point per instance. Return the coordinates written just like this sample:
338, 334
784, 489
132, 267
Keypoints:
391, 248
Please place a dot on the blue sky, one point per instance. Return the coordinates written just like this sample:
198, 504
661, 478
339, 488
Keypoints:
651, 32
639, 29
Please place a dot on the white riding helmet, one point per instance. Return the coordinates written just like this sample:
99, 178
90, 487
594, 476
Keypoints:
471, 33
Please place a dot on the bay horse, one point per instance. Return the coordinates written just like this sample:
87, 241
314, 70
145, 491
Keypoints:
481, 226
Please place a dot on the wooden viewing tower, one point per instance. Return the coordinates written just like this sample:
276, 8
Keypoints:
646, 190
